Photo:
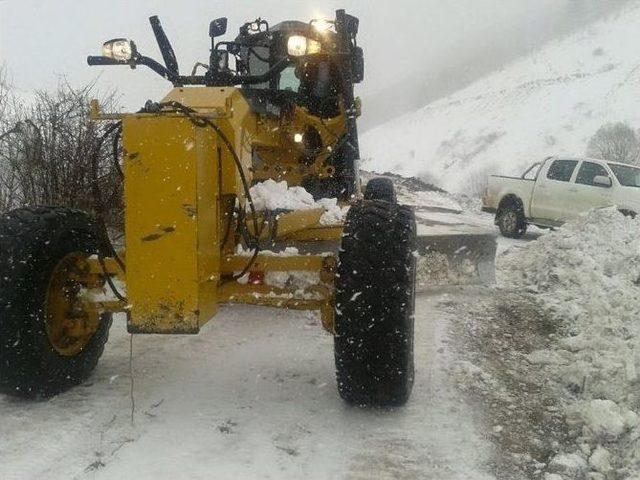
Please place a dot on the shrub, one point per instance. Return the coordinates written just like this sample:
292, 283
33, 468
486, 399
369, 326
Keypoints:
47, 149
616, 142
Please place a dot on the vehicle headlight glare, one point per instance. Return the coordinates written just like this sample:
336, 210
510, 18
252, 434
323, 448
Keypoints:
313, 47
298, 45
322, 25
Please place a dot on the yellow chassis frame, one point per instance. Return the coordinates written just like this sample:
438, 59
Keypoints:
182, 185
318, 297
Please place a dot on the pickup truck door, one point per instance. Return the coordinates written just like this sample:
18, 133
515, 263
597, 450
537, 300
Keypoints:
551, 192
585, 193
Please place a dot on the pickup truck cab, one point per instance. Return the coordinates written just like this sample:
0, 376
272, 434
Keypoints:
553, 191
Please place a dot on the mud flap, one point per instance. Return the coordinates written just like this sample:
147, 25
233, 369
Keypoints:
456, 259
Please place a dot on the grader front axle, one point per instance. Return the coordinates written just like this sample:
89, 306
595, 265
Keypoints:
91, 272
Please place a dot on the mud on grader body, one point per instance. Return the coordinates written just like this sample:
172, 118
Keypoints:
285, 111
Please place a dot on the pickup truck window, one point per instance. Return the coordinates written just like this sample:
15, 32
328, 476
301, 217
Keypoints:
627, 176
588, 171
562, 170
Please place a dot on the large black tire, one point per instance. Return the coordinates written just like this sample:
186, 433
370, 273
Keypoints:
511, 220
380, 189
33, 241
375, 303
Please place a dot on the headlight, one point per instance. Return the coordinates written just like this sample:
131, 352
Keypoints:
297, 46
119, 49
322, 25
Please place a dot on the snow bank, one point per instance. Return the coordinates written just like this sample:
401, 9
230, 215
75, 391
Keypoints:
586, 276
272, 195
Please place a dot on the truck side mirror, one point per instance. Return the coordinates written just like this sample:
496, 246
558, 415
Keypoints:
218, 27
602, 181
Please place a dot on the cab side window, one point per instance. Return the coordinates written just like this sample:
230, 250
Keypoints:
289, 80
562, 170
588, 171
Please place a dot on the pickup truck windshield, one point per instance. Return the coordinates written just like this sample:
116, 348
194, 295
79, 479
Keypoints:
627, 176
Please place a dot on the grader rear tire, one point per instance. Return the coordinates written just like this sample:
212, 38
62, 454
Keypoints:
42, 354
375, 302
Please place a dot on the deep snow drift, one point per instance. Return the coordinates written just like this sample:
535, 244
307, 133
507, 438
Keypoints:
549, 103
586, 276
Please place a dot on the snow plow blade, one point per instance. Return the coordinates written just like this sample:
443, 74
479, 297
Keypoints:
456, 259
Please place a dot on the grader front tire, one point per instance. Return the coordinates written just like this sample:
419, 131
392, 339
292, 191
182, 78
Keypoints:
41, 353
375, 300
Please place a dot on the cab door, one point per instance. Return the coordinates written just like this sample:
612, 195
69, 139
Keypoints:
586, 194
551, 193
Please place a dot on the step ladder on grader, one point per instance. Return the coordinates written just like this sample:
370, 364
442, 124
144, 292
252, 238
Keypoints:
275, 103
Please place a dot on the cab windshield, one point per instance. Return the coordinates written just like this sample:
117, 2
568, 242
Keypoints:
627, 175
314, 83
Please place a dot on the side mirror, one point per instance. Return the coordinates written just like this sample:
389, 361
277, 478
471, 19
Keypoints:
218, 27
603, 181
223, 60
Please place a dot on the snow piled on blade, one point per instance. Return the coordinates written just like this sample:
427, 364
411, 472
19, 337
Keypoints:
272, 195
587, 277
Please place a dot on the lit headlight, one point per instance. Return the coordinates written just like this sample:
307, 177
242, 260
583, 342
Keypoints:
297, 46
322, 25
119, 49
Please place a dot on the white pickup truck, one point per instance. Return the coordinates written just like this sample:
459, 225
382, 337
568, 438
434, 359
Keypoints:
553, 191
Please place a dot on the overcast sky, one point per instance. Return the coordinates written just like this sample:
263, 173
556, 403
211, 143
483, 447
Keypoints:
41, 40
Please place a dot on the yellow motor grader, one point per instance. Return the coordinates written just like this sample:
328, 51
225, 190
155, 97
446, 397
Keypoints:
275, 103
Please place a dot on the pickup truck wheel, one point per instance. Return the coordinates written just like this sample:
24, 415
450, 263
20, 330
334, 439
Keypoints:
511, 221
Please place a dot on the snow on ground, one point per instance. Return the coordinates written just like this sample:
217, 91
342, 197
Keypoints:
587, 278
252, 397
536, 378
553, 352
549, 103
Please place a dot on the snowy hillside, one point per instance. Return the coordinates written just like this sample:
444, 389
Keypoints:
546, 104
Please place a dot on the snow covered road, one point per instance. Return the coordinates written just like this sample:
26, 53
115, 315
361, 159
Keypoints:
253, 396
